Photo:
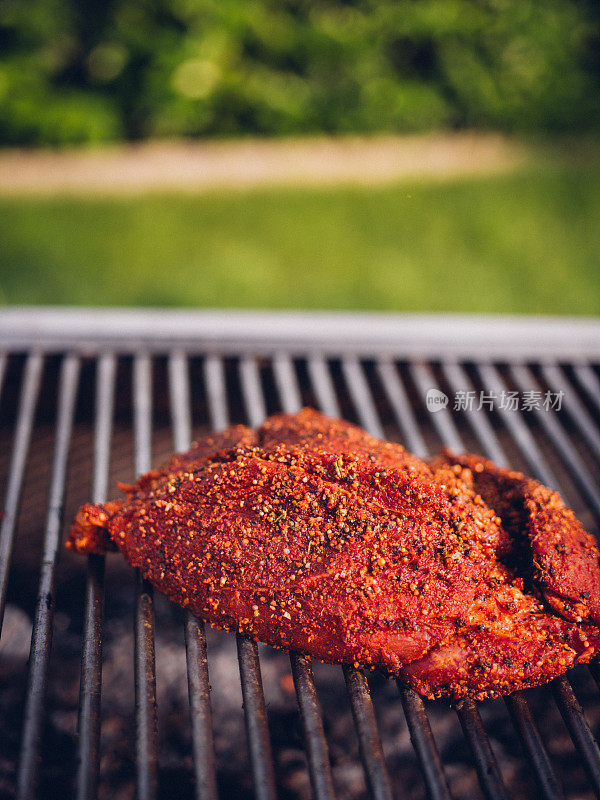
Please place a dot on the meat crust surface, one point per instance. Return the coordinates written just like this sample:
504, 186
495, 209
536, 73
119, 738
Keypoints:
308, 534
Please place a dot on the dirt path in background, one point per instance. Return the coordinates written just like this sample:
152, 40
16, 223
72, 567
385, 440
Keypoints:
197, 166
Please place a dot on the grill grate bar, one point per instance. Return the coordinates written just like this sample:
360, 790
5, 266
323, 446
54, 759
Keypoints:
579, 383
516, 702
548, 784
27, 405
361, 397
555, 378
3, 365
317, 751
310, 712
414, 708
257, 728
564, 696
424, 380
142, 413
41, 637
518, 707
255, 712
548, 420
470, 719
203, 748
88, 745
358, 689
323, 386
589, 381
180, 400
422, 740
517, 428
144, 656
405, 416
369, 742
252, 689
287, 383
398, 398
216, 392
583, 738
252, 391
483, 756
468, 713
459, 380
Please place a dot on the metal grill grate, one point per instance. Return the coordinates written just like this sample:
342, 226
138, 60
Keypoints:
373, 369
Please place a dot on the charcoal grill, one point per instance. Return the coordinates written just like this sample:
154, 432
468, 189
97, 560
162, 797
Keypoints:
67, 371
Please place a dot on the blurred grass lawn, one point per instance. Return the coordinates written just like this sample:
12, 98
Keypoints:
522, 243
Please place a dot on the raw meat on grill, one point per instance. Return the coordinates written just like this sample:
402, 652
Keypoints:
308, 534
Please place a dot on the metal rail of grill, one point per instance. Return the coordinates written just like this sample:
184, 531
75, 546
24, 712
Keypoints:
352, 366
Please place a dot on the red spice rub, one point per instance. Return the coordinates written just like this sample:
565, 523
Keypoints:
308, 534
560, 557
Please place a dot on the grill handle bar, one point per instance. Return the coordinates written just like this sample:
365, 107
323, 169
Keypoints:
234, 331
90, 687
41, 637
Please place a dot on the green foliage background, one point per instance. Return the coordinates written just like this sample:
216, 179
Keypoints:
97, 70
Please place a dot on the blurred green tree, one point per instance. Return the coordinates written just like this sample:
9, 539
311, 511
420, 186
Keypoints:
92, 71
